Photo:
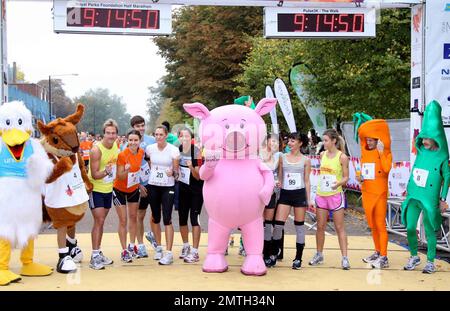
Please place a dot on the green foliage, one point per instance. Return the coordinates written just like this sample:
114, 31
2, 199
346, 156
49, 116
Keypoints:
370, 75
101, 105
204, 56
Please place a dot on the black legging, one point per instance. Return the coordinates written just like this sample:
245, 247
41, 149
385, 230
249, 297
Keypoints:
162, 196
189, 201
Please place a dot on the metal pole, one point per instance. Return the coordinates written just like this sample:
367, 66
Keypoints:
50, 98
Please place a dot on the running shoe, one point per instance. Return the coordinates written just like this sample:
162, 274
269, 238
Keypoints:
167, 259
345, 263
371, 258
317, 260
96, 263
413, 262
159, 253
185, 251
151, 238
430, 268
191, 258
126, 256
381, 263
142, 251
106, 261
296, 264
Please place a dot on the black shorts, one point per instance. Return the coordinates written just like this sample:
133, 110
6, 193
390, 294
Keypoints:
273, 201
99, 199
190, 202
161, 199
121, 198
295, 198
144, 202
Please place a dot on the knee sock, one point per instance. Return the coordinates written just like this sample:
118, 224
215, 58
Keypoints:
267, 238
277, 235
300, 241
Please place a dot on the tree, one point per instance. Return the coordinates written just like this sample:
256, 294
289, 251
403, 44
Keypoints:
61, 104
171, 114
370, 75
101, 105
204, 56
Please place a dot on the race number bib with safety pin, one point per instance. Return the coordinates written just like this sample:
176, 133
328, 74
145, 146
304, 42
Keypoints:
133, 179
292, 181
145, 173
185, 174
110, 178
158, 176
368, 171
86, 153
326, 182
420, 177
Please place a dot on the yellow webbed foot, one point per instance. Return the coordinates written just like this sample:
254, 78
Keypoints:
35, 269
7, 277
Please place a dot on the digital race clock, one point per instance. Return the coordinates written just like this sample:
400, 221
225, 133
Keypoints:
319, 22
112, 18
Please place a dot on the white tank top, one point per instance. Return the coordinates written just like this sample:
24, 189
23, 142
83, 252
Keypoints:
68, 190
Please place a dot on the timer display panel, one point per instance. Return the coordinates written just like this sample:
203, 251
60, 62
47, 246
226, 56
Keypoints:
319, 22
109, 18
301, 22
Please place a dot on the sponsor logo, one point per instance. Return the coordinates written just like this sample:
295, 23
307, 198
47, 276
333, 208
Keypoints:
445, 73
416, 82
445, 27
447, 7
446, 50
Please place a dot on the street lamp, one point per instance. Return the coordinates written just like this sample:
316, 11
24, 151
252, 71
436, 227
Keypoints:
50, 90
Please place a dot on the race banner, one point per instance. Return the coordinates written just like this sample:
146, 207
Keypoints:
273, 112
298, 75
284, 100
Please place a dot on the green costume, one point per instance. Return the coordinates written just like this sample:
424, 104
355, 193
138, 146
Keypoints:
241, 101
428, 183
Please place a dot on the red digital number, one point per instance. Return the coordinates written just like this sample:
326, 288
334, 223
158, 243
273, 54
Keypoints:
108, 20
299, 19
329, 22
136, 19
152, 19
318, 22
89, 15
343, 22
122, 18
358, 26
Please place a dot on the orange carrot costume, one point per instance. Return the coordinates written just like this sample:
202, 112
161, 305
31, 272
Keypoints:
375, 167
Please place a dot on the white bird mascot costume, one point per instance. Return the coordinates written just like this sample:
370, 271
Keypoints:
24, 167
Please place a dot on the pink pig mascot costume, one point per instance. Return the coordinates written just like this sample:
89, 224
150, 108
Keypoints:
237, 184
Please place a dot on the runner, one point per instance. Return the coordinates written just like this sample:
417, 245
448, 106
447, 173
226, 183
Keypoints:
126, 193
270, 156
102, 173
427, 187
376, 163
138, 123
294, 169
330, 196
191, 197
85, 146
164, 162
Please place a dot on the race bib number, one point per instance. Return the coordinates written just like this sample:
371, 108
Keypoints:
75, 181
326, 182
110, 178
368, 171
85, 153
145, 173
420, 177
133, 179
292, 181
159, 177
185, 174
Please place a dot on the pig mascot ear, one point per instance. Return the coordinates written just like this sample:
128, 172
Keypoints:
265, 105
197, 110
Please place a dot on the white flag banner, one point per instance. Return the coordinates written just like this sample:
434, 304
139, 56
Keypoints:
282, 95
437, 55
273, 112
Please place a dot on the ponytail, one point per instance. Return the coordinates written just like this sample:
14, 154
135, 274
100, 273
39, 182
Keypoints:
340, 142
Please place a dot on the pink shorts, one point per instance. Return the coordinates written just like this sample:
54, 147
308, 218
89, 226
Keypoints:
333, 202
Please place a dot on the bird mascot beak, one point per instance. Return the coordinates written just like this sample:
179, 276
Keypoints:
15, 140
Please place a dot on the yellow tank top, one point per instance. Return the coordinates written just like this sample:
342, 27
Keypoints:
109, 156
330, 171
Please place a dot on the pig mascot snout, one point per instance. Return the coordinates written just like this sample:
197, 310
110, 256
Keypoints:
237, 184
